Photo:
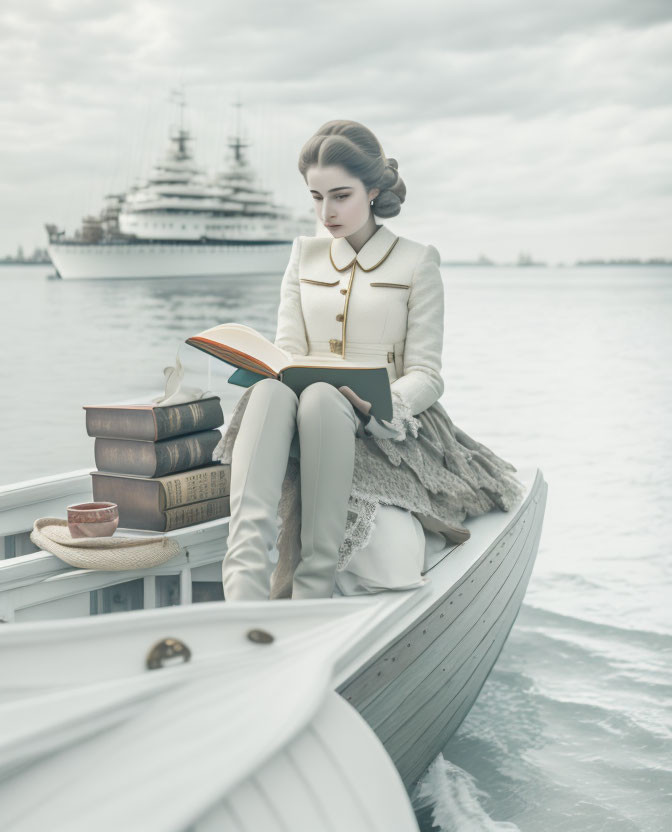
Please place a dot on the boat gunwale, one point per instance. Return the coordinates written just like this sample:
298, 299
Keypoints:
397, 611
351, 666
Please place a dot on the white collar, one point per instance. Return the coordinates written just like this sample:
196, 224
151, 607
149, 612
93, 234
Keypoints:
371, 254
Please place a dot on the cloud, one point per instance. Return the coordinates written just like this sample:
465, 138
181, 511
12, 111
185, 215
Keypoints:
511, 120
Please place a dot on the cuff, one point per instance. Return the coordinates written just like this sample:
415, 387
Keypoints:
402, 422
381, 430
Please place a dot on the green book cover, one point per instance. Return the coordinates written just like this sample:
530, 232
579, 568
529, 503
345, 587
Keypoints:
371, 383
244, 378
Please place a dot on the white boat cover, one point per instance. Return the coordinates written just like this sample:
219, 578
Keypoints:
91, 739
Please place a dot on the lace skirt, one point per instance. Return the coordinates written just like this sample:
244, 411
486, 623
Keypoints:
433, 469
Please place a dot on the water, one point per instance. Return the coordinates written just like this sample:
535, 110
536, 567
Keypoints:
568, 369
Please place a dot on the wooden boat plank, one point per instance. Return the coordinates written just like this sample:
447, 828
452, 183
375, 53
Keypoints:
487, 531
443, 655
436, 652
422, 680
415, 758
455, 600
424, 706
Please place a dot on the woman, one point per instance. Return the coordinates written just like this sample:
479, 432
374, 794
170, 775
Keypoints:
361, 501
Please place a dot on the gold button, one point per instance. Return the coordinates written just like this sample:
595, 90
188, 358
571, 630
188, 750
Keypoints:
344, 291
339, 317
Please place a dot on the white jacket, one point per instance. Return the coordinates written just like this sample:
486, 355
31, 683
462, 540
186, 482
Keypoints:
383, 303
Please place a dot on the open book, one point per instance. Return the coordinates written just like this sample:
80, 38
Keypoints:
256, 358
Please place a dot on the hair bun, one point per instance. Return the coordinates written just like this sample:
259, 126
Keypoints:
390, 175
392, 191
387, 204
355, 148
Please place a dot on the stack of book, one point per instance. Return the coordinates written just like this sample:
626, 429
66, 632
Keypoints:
156, 464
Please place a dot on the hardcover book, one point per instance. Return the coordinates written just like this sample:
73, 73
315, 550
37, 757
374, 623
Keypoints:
130, 517
255, 357
153, 422
154, 459
150, 496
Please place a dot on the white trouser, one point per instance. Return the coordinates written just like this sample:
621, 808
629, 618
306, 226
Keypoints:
393, 558
326, 425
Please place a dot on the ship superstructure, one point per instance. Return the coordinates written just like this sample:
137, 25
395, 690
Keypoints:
183, 222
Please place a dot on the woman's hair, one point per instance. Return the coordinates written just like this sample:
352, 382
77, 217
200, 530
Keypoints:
355, 148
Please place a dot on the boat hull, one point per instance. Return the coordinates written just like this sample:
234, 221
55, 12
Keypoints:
79, 261
416, 691
412, 669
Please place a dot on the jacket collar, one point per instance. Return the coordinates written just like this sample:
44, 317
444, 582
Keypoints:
371, 254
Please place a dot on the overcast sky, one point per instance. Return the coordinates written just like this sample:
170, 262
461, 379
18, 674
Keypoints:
517, 125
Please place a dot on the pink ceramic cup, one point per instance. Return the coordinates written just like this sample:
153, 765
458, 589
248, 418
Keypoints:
93, 519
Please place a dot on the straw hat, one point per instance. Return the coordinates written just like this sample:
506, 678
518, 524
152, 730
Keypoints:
110, 553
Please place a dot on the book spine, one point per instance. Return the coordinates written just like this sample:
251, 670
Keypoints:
125, 456
189, 417
190, 451
196, 486
137, 499
178, 518
155, 459
120, 424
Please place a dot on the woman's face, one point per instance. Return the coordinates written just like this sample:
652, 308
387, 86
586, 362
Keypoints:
342, 204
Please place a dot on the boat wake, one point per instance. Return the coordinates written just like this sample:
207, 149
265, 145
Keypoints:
448, 797
572, 724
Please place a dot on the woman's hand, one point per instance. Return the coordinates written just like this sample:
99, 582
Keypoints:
372, 427
354, 399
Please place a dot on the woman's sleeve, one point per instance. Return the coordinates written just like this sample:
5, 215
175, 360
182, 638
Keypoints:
422, 383
291, 330
402, 423
370, 426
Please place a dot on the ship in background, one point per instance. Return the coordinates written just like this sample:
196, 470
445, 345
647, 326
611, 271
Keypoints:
183, 223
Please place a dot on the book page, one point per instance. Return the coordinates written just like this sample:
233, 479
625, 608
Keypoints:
330, 361
244, 339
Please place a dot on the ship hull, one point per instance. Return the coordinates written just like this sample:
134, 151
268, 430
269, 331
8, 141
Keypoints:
114, 261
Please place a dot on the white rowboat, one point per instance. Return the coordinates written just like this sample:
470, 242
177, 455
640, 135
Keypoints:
299, 715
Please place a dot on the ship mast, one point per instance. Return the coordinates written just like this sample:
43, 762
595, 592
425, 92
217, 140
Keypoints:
182, 152
235, 142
